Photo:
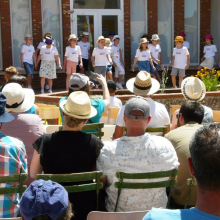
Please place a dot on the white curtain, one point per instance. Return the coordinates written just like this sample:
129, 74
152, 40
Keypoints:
138, 24
51, 21
165, 30
191, 28
21, 25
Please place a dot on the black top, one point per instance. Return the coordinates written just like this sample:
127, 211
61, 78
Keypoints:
66, 152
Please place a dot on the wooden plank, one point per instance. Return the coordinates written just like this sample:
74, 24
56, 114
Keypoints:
93, 126
12, 190
83, 188
216, 116
14, 178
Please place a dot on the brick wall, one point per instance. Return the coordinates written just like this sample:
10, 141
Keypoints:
205, 22
127, 38
178, 16
152, 18
6, 33
36, 22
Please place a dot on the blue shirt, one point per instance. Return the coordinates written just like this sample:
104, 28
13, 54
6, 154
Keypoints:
31, 110
178, 214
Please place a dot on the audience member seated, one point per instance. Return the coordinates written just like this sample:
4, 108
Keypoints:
193, 89
13, 160
80, 82
45, 200
144, 85
22, 80
9, 72
138, 152
27, 127
70, 150
114, 101
189, 120
204, 165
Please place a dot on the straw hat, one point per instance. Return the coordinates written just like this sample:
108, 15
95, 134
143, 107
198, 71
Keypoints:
107, 41
143, 84
72, 36
193, 89
143, 40
28, 36
18, 99
78, 105
100, 38
179, 38
155, 37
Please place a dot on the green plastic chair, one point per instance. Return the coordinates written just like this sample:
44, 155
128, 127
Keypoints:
77, 177
190, 182
15, 178
154, 175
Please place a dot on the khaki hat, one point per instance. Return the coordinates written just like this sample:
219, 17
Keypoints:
179, 38
193, 89
72, 36
143, 40
78, 105
18, 99
155, 37
100, 38
28, 36
143, 84
107, 41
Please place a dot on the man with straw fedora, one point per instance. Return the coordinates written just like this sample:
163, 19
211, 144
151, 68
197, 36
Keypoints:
144, 85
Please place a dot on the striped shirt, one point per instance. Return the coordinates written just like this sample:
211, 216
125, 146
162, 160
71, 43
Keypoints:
13, 160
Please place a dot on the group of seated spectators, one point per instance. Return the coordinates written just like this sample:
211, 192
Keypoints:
189, 146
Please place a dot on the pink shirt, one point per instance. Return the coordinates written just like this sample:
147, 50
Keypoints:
28, 128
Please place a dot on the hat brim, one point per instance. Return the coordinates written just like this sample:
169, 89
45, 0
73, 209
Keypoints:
99, 40
91, 115
29, 98
188, 98
154, 88
155, 39
178, 41
6, 117
143, 43
73, 38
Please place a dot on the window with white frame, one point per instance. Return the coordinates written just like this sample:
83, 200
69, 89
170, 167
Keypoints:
52, 23
165, 29
1, 66
20, 26
191, 26
138, 24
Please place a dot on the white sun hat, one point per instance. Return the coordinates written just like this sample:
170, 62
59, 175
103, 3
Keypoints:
100, 38
72, 36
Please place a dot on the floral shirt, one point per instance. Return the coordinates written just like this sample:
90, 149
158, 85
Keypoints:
140, 154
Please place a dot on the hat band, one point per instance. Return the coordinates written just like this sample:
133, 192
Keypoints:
15, 105
142, 88
77, 115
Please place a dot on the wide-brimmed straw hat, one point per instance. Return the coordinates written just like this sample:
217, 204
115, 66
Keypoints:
107, 41
193, 89
78, 105
143, 40
143, 84
100, 38
72, 36
179, 38
155, 37
18, 99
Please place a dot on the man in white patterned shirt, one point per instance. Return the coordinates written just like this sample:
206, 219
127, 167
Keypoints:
135, 153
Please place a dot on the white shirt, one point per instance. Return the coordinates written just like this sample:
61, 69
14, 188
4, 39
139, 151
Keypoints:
28, 53
158, 112
140, 154
115, 51
41, 44
48, 53
85, 47
209, 51
143, 55
115, 102
109, 55
186, 44
100, 56
155, 50
180, 60
73, 53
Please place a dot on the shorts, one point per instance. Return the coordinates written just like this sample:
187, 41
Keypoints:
156, 65
109, 68
113, 69
175, 71
70, 67
100, 70
119, 70
28, 68
144, 65
85, 64
208, 62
